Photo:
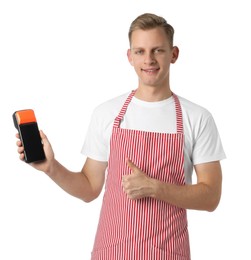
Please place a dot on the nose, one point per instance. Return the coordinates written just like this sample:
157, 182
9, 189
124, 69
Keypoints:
149, 58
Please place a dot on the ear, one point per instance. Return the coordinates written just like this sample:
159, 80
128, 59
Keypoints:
129, 56
175, 54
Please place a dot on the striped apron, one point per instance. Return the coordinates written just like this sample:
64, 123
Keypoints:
143, 229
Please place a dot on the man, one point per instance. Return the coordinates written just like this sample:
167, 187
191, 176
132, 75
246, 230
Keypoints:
148, 141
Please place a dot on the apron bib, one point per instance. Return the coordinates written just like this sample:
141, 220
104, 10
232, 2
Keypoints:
143, 229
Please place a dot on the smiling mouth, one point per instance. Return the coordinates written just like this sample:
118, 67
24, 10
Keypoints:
150, 70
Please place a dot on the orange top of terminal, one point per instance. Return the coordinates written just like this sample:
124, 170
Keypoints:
25, 116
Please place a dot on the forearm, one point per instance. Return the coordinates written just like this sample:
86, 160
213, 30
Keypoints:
198, 196
74, 183
205, 195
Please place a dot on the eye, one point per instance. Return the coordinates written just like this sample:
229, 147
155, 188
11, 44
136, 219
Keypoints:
158, 51
138, 52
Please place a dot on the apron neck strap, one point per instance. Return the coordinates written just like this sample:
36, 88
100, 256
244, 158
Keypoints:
123, 110
179, 119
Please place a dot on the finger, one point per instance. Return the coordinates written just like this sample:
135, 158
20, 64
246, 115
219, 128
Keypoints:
21, 157
131, 165
20, 149
19, 143
42, 134
43, 137
125, 181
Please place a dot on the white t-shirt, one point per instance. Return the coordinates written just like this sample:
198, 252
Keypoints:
202, 140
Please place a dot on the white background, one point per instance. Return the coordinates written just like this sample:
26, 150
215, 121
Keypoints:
62, 58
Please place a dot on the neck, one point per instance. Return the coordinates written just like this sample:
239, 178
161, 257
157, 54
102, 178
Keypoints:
153, 94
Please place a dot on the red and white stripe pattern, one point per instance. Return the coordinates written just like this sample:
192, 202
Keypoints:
144, 229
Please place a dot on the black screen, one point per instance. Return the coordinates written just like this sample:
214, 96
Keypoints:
31, 140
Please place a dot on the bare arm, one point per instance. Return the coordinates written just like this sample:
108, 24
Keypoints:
204, 195
86, 184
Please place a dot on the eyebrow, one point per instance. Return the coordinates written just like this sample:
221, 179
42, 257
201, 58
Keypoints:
157, 47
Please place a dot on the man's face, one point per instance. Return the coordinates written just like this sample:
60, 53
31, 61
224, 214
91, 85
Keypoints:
151, 55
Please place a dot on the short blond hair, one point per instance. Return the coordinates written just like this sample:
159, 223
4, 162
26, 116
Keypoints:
149, 21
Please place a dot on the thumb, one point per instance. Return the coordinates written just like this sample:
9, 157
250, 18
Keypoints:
44, 140
131, 165
47, 146
43, 136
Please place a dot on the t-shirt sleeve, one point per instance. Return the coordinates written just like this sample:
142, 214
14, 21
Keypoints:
207, 144
95, 145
